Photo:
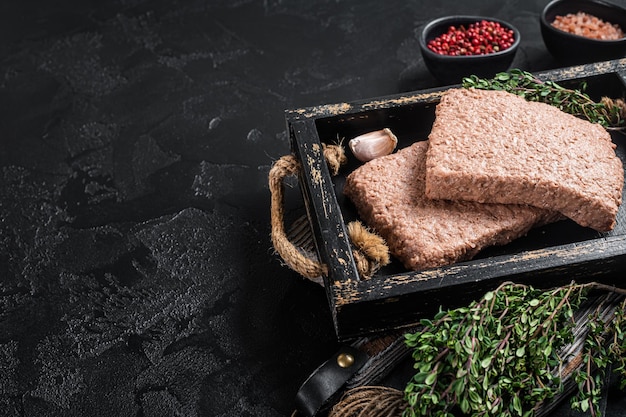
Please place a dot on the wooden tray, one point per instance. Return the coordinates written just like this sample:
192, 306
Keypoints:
549, 256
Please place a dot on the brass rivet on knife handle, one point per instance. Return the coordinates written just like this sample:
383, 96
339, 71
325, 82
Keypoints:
345, 360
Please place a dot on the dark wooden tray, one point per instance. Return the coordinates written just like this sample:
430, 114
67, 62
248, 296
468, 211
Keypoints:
552, 255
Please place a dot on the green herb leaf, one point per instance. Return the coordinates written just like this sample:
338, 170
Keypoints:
497, 355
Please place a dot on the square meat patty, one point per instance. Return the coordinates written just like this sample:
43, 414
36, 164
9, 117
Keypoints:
389, 194
496, 147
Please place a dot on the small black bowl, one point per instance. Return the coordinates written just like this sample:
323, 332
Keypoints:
451, 69
574, 49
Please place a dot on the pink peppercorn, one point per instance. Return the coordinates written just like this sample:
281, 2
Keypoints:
478, 38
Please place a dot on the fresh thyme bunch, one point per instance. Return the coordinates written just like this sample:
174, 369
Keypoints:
500, 355
608, 113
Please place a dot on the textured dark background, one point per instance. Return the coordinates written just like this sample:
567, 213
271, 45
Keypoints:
137, 276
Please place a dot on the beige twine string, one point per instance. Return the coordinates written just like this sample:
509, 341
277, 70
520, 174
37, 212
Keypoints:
370, 401
370, 251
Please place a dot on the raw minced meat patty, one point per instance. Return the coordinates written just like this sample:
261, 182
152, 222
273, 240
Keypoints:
388, 193
496, 147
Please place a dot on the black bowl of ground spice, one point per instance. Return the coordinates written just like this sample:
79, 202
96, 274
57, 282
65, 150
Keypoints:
584, 31
454, 47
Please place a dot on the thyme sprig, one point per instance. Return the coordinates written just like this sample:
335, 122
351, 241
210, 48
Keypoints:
608, 113
499, 356
604, 345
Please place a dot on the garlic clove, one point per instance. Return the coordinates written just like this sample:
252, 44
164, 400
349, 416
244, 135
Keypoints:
373, 144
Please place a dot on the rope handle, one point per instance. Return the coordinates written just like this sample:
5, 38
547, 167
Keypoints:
369, 249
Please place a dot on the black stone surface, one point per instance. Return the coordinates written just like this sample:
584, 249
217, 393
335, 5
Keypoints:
137, 276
